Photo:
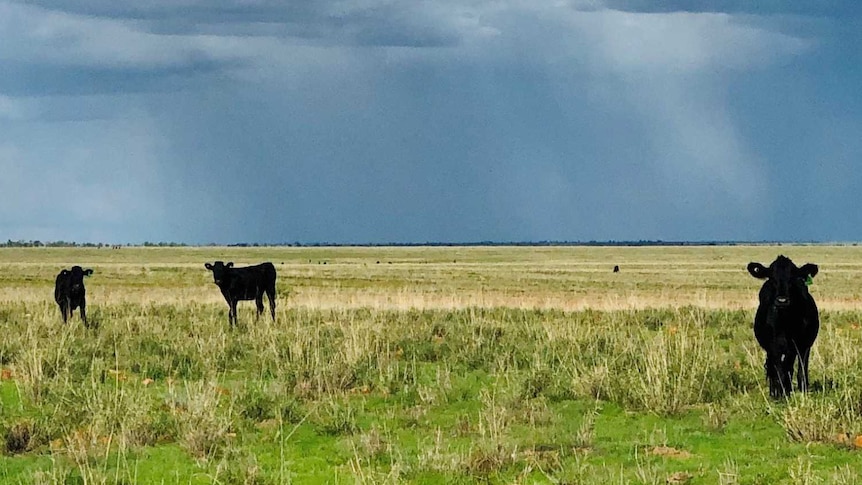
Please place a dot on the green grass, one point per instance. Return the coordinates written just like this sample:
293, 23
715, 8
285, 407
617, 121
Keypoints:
655, 390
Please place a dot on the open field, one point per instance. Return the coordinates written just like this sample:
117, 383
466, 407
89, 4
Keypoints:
563, 278
423, 365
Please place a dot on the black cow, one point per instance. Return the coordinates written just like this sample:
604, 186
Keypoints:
249, 283
616, 269
69, 292
786, 323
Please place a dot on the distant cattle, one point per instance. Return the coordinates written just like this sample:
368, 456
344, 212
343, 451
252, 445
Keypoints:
69, 292
616, 269
786, 323
248, 283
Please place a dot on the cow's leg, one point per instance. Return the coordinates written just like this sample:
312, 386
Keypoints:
258, 301
64, 311
779, 371
231, 315
69, 309
270, 294
788, 360
802, 375
84, 314
772, 376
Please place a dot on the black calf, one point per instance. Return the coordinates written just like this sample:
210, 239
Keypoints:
69, 292
786, 323
248, 283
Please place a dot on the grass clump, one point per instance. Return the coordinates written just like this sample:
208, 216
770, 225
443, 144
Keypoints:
835, 419
335, 417
671, 370
204, 413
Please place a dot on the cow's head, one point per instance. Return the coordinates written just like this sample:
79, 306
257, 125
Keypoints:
219, 270
76, 277
783, 280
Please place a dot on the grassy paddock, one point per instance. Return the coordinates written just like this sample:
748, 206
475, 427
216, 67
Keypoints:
422, 365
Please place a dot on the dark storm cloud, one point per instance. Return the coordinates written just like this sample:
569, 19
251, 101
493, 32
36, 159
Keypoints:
204, 11
105, 47
455, 120
476, 154
47, 53
379, 22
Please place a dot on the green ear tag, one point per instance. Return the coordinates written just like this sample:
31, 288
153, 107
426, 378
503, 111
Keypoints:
809, 280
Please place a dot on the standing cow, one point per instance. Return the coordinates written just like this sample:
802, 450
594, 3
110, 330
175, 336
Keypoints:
69, 292
248, 283
786, 323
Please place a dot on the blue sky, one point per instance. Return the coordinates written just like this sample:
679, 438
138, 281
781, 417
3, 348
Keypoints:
454, 120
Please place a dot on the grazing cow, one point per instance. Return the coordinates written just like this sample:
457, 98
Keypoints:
786, 323
69, 292
249, 283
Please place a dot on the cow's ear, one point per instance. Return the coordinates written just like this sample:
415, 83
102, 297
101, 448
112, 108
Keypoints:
809, 269
208, 266
88, 272
758, 270
64, 272
229, 265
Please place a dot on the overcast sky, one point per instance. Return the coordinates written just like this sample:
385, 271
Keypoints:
227, 121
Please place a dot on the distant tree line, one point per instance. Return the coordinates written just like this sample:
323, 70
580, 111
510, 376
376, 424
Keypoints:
72, 244
46, 244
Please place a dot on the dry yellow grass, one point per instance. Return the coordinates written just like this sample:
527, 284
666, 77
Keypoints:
564, 278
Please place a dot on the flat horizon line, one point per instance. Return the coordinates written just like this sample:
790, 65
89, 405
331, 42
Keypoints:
539, 243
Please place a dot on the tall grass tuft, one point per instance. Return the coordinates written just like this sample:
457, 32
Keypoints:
204, 413
671, 370
833, 418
